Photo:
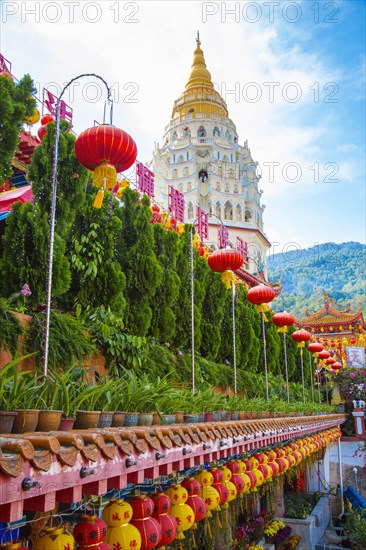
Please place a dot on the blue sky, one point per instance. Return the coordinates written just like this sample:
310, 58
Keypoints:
315, 50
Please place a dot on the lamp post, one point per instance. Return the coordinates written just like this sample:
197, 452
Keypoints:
53, 214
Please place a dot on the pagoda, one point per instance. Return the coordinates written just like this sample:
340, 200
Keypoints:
335, 329
201, 157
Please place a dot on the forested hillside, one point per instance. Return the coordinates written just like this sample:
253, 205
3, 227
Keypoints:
339, 269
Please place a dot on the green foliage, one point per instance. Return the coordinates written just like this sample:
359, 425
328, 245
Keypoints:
163, 323
17, 390
122, 351
138, 260
16, 104
213, 310
97, 277
10, 328
299, 505
25, 255
71, 178
182, 338
305, 275
356, 526
68, 341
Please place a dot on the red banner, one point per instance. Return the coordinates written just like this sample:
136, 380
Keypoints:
5, 65
223, 236
176, 204
202, 223
242, 247
50, 101
145, 179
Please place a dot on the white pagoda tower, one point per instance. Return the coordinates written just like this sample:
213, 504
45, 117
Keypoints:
201, 157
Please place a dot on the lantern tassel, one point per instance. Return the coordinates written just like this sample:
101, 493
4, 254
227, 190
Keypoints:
209, 529
218, 520
98, 201
194, 540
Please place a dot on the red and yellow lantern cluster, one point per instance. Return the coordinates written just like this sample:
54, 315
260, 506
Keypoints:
117, 515
169, 223
45, 120
226, 261
181, 511
90, 532
168, 524
149, 527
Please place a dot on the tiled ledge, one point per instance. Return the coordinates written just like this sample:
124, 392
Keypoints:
39, 469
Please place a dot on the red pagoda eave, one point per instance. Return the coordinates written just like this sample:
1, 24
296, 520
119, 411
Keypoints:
252, 280
27, 144
39, 470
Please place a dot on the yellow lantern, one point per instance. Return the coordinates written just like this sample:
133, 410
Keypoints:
55, 538
180, 228
123, 184
204, 478
227, 475
177, 494
117, 515
33, 118
211, 498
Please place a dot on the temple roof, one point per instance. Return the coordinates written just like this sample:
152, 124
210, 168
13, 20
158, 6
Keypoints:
328, 315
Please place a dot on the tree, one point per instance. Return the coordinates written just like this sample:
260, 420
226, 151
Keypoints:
97, 277
16, 104
182, 337
213, 310
163, 323
25, 255
71, 180
138, 261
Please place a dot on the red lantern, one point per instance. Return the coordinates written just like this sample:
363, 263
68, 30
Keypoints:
352, 340
192, 486
324, 354
336, 366
47, 118
283, 319
233, 466
89, 530
106, 151
315, 347
301, 335
168, 524
261, 294
42, 131
330, 361
224, 259
148, 527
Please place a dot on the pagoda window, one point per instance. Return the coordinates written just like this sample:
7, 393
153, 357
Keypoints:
175, 173
174, 161
219, 171
236, 188
231, 174
203, 176
231, 158
187, 155
201, 132
248, 216
238, 213
174, 136
189, 186
228, 135
186, 131
181, 158
218, 187
185, 172
218, 155
227, 188
228, 212
209, 207
190, 211
225, 159
216, 132
218, 210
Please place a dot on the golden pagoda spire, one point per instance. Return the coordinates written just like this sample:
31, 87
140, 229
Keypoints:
200, 75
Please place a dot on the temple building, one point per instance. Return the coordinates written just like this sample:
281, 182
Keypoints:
201, 157
341, 331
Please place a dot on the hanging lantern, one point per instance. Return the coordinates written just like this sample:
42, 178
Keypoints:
352, 340
47, 118
301, 336
194, 500
260, 294
181, 512
220, 487
13, 546
168, 524
42, 131
330, 361
230, 486
89, 530
106, 151
225, 259
315, 347
283, 320
323, 354
208, 493
55, 538
337, 366
33, 118
204, 478
117, 515
149, 528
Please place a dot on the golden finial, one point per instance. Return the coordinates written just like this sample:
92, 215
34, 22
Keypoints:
198, 38
200, 75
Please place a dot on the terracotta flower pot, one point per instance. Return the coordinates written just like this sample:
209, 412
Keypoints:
156, 418
86, 419
6, 421
49, 421
179, 417
131, 419
145, 419
208, 417
25, 421
118, 419
105, 420
66, 424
